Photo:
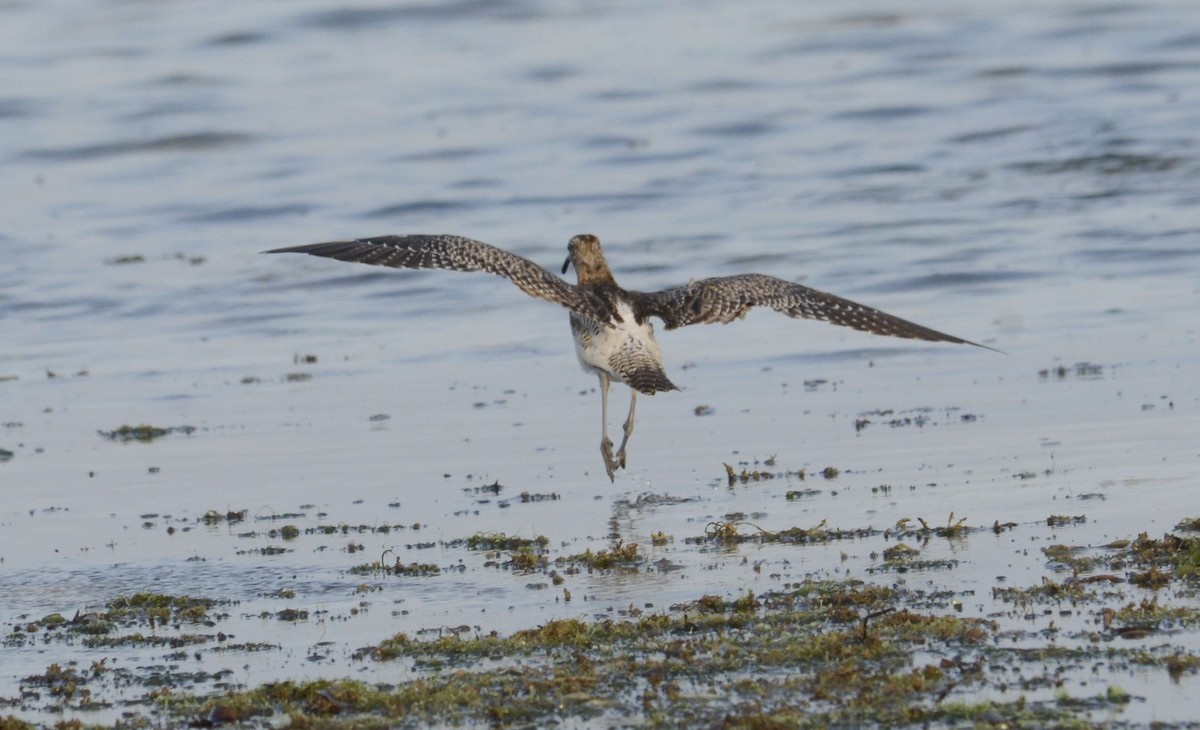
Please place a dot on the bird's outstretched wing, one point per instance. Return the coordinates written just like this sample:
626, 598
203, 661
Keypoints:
725, 298
455, 253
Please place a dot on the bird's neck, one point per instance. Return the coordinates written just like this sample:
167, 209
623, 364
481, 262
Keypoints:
594, 272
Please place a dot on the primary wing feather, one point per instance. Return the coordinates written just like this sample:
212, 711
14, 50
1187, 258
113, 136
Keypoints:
455, 253
725, 298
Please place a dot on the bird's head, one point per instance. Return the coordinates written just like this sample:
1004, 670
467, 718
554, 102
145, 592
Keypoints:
583, 252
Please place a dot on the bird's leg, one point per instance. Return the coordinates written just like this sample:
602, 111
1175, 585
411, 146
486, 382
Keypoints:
628, 427
610, 464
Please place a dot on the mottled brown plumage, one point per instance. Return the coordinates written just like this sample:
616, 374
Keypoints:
613, 336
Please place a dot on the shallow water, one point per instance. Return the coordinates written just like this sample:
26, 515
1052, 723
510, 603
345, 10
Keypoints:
1017, 174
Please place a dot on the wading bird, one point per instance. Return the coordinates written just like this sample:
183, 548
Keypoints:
613, 335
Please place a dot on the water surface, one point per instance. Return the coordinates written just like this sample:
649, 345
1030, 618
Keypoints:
1022, 175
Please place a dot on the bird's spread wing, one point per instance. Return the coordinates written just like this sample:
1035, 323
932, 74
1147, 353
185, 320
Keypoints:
455, 253
726, 298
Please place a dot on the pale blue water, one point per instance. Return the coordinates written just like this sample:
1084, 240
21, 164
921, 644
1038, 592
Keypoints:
1020, 174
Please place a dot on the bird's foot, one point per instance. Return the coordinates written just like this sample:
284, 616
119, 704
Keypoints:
610, 464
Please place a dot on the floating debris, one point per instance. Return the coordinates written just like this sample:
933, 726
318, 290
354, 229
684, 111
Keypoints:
144, 433
1082, 370
748, 475
214, 517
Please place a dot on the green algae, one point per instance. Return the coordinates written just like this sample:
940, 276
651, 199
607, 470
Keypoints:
397, 568
618, 556
812, 653
497, 541
759, 653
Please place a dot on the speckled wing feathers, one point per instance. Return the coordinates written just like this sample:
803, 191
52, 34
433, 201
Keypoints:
455, 253
726, 298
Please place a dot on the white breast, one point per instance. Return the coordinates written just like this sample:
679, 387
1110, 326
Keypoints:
610, 348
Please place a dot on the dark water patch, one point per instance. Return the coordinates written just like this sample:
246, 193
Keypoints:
247, 213
421, 207
611, 141
195, 142
357, 281
647, 269
81, 587
645, 158
1023, 204
1004, 72
952, 281
896, 169
857, 354
1104, 10
894, 193
987, 135
851, 229
189, 80
59, 309
407, 292
551, 74
170, 108
916, 242
885, 113
1188, 41
854, 41
477, 183
686, 243
242, 322
1101, 194
961, 256
722, 86
604, 201
737, 129
361, 18
625, 95
1110, 163
1126, 255
238, 38
1128, 236
14, 107
764, 260
867, 20
1123, 70
445, 154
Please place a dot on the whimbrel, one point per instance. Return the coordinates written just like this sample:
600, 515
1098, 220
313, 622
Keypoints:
613, 335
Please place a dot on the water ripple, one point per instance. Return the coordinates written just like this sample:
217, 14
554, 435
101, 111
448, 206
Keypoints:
194, 142
247, 213
16, 107
949, 281
350, 19
885, 113
417, 207
1109, 163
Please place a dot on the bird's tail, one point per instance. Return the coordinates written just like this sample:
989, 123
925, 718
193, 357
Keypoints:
649, 380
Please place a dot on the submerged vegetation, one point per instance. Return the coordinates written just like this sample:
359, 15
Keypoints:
807, 653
